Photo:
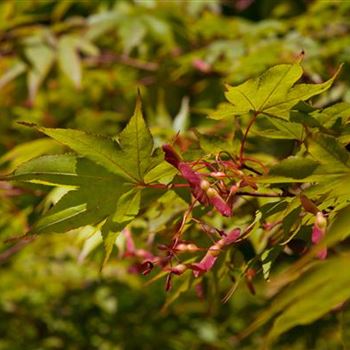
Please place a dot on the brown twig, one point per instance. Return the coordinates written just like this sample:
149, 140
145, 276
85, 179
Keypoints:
4, 256
241, 151
124, 59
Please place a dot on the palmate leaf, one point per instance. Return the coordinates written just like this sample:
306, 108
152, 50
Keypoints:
94, 195
130, 158
338, 230
106, 178
273, 93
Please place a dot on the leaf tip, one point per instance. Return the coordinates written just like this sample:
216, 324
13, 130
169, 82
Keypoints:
138, 106
338, 70
300, 56
227, 86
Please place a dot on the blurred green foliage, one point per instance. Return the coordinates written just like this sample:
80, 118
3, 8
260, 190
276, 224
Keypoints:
78, 64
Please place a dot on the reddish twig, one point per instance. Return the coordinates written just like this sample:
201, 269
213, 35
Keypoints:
241, 151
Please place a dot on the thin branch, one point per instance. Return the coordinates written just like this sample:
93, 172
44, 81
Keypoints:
252, 169
269, 195
4, 256
124, 59
241, 151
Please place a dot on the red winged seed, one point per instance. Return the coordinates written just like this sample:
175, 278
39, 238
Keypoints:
205, 264
213, 252
217, 201
232, 236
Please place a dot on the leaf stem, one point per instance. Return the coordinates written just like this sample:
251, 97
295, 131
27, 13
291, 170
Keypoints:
241, 151
165, 187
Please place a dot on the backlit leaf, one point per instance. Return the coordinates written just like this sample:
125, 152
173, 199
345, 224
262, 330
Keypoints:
327, 151
131, 158
273, 93
63, 170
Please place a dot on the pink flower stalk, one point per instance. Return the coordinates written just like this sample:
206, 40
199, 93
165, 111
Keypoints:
318, 232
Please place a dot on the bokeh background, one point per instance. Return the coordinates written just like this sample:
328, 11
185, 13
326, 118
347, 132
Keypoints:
78, 64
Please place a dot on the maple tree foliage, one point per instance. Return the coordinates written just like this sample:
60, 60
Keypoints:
176, 171
112, 181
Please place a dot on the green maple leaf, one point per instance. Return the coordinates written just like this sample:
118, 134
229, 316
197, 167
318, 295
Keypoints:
130, 156
273, 93
105, 179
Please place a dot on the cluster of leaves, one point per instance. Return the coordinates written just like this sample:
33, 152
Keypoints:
256, 193
111, 183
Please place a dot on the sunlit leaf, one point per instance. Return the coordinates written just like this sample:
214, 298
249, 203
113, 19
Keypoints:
273, 93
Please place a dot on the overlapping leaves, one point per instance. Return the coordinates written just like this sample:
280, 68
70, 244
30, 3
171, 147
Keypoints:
105, 178
315, 292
